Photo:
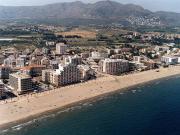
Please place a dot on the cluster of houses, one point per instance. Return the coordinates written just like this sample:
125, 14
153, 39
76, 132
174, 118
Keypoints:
22, 71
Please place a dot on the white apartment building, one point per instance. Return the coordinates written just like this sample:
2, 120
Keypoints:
170, 60
114, 66
61, 48
66, 74
20, 82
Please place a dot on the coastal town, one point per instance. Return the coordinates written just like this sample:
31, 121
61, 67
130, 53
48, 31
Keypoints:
66, 65
59, 63
89, 67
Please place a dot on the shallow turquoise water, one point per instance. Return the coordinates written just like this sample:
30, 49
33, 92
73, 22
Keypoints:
149, 109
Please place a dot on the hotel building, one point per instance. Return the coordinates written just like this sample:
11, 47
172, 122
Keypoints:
113, 66
86, 72
66, 74
20, 82
47, 76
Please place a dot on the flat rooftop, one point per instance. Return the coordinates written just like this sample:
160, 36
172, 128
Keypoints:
20, 75
115, 60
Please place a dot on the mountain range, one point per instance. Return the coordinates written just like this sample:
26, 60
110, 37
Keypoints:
102, 12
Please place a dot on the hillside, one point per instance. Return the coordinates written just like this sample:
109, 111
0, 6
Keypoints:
100, 12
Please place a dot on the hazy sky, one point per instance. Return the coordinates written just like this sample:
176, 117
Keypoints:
155, 5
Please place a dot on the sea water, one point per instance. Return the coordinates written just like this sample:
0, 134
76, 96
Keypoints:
149, 109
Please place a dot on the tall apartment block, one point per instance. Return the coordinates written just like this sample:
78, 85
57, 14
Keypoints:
66, 74
61, 48
48, 75
20, 82
113, 66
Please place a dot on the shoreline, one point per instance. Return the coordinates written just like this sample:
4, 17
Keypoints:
72, 95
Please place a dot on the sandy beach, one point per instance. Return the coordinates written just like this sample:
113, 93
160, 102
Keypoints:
35, 105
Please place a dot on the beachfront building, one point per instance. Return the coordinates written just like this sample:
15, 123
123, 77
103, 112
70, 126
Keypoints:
66, 74
61, 48
113, 66
20, 83
144, 63
86, 72
75, 60
150, 65
169, 60
4, 72
2, 90
48, 76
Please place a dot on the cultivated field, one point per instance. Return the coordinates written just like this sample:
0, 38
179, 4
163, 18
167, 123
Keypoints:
82, 33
